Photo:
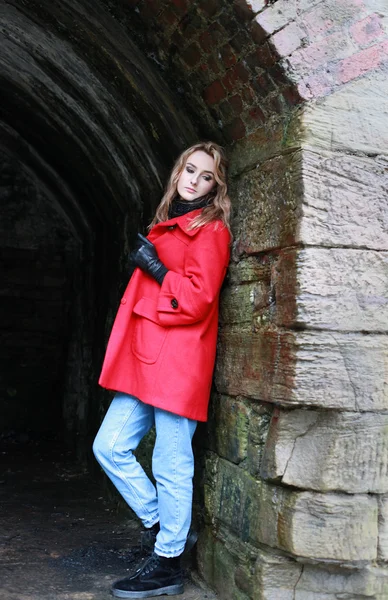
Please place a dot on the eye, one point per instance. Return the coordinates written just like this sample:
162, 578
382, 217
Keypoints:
207, 177
189, 170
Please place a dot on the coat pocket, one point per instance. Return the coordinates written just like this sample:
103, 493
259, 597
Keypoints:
148, 336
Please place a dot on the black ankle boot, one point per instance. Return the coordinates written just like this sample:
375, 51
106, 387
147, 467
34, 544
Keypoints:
158, 575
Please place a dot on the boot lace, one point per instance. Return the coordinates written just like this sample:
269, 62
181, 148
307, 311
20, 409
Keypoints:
150, 565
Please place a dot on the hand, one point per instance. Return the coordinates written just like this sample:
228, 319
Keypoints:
145, 257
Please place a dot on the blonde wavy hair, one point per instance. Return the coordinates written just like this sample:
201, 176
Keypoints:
219, 207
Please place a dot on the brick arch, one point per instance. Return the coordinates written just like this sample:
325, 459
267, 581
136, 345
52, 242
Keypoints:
221, 61
239, 64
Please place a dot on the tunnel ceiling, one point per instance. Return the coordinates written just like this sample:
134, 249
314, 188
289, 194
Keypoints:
84, 110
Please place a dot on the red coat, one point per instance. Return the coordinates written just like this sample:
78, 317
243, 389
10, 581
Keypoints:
163, 342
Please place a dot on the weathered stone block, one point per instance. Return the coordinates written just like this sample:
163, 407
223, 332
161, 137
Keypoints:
266, 201
352, 119
344, 201
259, 422
329, 583
306, 524
240, 303
331, 370
227, 564
250, 270
276, 136
276, 576
229, 427
327, 450
333, 289
255, 364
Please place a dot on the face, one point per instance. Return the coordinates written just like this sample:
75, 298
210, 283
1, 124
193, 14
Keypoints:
197, 178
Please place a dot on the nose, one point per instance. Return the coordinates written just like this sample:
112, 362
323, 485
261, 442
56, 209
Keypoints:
193, 179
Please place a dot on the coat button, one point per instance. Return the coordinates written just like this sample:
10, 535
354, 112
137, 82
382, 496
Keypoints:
171, 227
174, 303
123, 300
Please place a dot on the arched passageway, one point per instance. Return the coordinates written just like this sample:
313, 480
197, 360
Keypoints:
97, 100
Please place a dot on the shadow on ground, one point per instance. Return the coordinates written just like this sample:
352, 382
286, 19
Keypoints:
59, 538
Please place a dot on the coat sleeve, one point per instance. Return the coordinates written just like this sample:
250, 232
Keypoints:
188, 298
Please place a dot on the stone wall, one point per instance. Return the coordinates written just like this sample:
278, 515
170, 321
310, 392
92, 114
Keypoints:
296, 468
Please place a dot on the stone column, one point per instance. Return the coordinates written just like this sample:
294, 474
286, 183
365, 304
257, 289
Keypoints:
297, 482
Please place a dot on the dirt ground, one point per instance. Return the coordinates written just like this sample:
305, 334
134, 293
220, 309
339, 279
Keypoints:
59, 537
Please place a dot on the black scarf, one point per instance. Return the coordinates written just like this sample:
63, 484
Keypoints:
180, 207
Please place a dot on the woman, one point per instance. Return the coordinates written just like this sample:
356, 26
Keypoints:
160, 360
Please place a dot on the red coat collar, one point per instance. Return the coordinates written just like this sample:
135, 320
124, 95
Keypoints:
182, 222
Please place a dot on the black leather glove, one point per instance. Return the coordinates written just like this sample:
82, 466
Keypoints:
145, 257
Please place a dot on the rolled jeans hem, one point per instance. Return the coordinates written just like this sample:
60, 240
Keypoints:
148, 523
172, 554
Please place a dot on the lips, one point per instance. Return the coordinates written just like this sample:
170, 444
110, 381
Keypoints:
190, 190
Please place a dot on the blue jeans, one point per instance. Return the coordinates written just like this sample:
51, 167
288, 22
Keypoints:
125, 424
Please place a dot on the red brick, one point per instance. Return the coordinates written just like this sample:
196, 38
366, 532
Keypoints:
235, 77
263, 84
275, 104
242, 43
362, 62
243, 10
226, 111
191, 26
214, 65
257, 114
177, 39
291, 95
367, 30
235, 130
262, 57
227, 56
236, 103
168, 17
257, 33
181, 5
192, 55
203, 73
218, 34
231, 26
248, 94
278, 75
214, 93
206, 42
210, 7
